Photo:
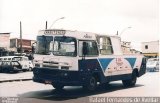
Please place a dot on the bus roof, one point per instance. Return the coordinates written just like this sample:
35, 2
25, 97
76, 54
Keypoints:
76, 34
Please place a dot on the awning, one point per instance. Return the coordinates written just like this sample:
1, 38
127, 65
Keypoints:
151, 54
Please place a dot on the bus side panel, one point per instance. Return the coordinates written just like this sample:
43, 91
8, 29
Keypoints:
91, 67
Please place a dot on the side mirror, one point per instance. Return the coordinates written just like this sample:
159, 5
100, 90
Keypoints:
84, 49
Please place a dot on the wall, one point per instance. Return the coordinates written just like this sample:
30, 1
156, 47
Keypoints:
4, 40
153, 47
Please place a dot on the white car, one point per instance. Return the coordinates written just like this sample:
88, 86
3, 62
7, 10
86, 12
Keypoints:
152, 64
23, 60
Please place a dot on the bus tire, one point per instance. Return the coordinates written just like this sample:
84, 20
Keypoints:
130, 82
58, 86
91, 84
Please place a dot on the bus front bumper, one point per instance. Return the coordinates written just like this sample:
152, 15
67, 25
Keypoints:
65, 77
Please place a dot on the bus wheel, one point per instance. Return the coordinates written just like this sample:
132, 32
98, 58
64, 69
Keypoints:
58, 86
91, 84
130, 82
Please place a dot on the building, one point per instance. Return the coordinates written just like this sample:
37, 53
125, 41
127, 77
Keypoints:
5, 44
134, 51
150, 49
26, 44
126, 47
5, 40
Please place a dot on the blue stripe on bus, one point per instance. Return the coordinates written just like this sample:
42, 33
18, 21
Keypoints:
131, 61
105, 62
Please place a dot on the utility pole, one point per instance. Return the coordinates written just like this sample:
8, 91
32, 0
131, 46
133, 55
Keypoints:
117, 32
46, 25
21, 38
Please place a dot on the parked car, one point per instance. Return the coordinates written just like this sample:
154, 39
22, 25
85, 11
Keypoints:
0, 66
10, 66
23, 60
153, 64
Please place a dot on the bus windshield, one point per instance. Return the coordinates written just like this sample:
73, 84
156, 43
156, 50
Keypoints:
43, 43
64, 46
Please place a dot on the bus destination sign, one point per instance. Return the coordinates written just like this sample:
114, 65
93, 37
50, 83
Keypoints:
54, 32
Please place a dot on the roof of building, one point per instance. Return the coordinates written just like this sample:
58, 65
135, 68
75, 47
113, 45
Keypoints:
125, 42
22, 39
151, 41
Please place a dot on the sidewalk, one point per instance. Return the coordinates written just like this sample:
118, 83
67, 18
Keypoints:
22, 76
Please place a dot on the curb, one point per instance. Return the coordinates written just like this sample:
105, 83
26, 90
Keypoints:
14, 80
16, 77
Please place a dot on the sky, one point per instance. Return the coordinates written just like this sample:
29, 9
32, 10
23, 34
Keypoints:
99, 16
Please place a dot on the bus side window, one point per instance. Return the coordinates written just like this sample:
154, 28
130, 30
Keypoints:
105, 45
91, 48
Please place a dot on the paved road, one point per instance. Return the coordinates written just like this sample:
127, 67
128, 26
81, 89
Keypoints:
30, 92
16, 76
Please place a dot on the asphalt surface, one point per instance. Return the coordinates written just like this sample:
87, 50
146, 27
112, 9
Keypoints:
30, 92
20, 76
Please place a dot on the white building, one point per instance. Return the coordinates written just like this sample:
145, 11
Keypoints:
150, 49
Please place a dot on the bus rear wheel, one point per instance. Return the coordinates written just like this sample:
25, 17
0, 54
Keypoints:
130, 82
